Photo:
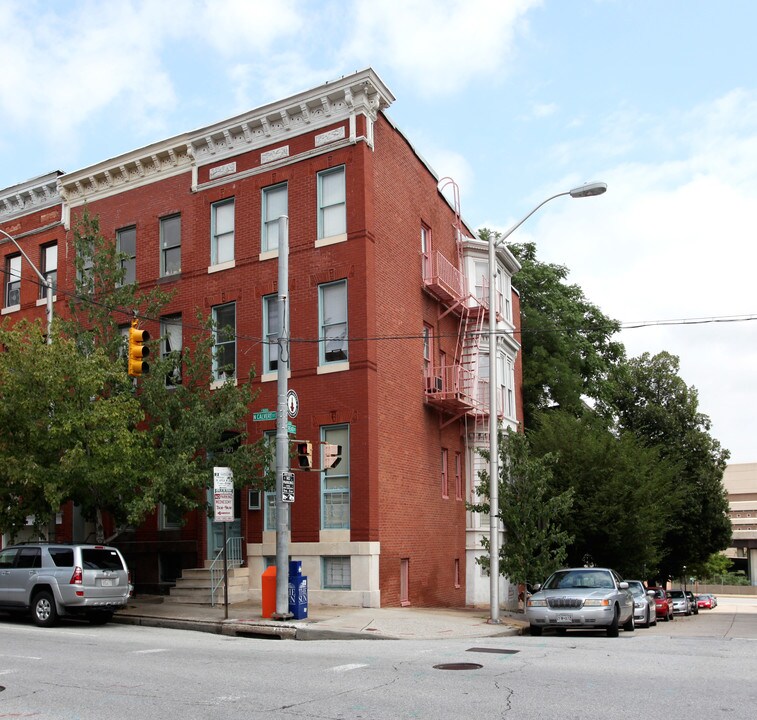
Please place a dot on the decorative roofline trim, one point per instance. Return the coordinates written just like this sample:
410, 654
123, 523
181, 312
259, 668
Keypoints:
30, 196
362, 92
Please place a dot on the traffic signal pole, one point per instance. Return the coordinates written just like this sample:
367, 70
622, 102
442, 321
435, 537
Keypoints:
282, 433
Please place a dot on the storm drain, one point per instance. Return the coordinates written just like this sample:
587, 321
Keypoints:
500, 651
458, 666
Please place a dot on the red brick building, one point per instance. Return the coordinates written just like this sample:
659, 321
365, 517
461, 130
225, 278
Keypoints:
387, 288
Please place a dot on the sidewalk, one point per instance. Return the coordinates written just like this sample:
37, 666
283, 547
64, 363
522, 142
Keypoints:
324, 622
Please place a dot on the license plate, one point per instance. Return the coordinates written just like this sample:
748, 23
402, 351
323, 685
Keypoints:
107, 583
565, 618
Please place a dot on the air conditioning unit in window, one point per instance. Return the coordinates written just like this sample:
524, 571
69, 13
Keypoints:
434, 384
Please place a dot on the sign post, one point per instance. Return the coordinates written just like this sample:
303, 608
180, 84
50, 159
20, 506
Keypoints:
223, 506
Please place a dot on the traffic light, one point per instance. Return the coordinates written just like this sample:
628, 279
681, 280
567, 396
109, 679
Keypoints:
332, 455
138, 350
305, 454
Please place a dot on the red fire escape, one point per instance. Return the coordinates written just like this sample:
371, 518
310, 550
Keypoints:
455, 388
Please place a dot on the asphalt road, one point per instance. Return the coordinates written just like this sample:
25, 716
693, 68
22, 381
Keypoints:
699, 666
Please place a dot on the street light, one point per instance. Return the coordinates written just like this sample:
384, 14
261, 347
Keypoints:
47, 282
580, 192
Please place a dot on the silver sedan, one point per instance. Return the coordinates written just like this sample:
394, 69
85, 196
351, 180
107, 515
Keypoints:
585, 598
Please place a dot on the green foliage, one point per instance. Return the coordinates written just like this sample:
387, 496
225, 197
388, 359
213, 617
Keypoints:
649, 399
716, 566
532, 517
568, 350
74, 426
624, 494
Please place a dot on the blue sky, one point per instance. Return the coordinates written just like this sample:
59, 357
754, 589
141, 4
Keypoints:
514, 99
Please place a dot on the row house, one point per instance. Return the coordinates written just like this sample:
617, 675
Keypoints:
388, 298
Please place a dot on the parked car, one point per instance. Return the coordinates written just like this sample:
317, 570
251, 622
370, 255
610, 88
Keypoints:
644, 607
48, 580
706, 601
663, 604
693, 605
680, 602
586, 598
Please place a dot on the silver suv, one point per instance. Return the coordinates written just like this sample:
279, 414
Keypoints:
53, 579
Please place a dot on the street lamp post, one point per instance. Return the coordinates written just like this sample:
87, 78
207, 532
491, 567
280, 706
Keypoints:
47, 282
579, 192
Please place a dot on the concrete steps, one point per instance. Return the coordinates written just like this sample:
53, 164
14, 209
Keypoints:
193, 587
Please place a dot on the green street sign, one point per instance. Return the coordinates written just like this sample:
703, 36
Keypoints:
263, 415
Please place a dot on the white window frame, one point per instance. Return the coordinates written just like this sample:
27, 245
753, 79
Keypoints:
270, 334
335, 482
12, 287
333, 328
222, 239
49, 268
171, 343
274, 203
164, 520
128, 263
332, 203
220, 340
268, 497
168, 245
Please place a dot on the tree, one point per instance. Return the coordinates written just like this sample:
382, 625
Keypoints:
651, 400
567, 344
531, 515
65, 435
624, 494
119, 447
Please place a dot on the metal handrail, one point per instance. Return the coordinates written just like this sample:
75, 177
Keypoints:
233, 560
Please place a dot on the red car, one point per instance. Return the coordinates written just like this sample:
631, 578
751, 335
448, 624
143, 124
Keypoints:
663, 604
705, 601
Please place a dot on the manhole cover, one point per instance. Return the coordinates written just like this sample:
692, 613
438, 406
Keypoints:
501, 651
458, 666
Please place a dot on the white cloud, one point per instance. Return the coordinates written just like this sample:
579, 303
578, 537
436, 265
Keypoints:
440, 45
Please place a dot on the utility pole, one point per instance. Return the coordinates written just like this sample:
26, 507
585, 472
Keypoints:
282, 432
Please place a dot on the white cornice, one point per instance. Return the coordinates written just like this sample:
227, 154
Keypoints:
30, 196
360, 93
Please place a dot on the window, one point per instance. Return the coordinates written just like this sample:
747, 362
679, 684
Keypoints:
168, 518
427, 349
445, 477
332, 206
225, 344
332, 309
275, 204
271, 329
457, 572
426, 251
126, 244
222, 240
269, 498
481, 282
337, 573
49, 267
336, 481
170, 347
458, 476
170, 245
13, 281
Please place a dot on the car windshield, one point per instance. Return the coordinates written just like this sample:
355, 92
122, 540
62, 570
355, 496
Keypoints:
101, 559
676, 594
636, 588
583, 578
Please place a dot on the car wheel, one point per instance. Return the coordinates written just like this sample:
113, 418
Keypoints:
99, 618
44, 612
535, 630
612, 628
629, 625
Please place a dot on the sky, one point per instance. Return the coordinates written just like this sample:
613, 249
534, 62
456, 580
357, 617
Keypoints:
515, 100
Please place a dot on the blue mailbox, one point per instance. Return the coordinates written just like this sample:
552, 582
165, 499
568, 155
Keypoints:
298, 591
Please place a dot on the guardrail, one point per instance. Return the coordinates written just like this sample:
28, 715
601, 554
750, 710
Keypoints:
233, 560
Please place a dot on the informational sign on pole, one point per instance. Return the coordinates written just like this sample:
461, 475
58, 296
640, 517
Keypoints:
287, 487
223, 494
